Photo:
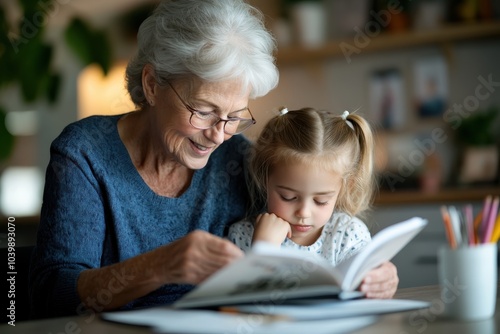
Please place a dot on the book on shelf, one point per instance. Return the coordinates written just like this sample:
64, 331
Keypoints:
272, 275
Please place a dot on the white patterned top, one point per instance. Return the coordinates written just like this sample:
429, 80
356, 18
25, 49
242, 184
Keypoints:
342, 237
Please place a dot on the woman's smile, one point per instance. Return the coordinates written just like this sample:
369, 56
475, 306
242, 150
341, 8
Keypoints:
200, 149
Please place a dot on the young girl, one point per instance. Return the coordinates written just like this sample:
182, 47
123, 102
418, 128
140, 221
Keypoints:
315, 171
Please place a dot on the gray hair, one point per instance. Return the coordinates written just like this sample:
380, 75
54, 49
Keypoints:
214, 40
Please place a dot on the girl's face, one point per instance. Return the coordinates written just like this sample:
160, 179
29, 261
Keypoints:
188, 145
304, 195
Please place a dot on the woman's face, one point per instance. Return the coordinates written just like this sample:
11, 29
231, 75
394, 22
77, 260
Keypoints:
181, 141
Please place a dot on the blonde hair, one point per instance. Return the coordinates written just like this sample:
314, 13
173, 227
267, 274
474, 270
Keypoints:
318, 137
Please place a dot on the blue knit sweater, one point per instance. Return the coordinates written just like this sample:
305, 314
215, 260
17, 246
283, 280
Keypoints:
97, 210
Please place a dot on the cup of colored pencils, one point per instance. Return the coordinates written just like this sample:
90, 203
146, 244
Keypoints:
467, 265
464, 230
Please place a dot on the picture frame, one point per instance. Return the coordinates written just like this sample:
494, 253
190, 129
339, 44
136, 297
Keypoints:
431, 87
387, 99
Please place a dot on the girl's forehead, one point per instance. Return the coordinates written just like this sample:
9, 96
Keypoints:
321, 163
304, 177
301, 168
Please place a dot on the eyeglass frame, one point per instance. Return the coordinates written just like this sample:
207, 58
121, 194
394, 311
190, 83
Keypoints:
193, 111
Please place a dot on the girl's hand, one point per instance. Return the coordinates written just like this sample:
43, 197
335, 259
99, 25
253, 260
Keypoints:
381, 282
271, 228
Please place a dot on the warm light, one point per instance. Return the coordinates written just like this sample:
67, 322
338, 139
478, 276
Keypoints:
103, 95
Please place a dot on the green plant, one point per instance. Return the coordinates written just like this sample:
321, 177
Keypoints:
26, 58
91, 46
477, 129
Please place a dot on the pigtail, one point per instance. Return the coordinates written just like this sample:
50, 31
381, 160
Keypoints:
357, 195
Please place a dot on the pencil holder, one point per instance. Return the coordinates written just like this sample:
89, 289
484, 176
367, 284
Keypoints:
468, 281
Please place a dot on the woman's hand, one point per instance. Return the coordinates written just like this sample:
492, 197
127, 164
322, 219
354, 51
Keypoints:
197, 256
381, 282
189, 260
271, 228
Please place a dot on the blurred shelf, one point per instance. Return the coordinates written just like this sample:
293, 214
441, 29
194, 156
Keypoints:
390, 41
404, 197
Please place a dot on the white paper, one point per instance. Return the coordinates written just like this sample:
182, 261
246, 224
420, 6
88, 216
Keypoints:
335, 309
164, 320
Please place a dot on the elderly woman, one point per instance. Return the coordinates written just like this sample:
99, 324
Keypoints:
135, 206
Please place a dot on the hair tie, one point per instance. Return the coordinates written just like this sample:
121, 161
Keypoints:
283, 111
344, 117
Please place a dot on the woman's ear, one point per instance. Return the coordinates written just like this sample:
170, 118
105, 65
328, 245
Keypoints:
149, 84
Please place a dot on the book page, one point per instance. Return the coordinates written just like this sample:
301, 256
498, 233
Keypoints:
266, 273
270, 274
384, 245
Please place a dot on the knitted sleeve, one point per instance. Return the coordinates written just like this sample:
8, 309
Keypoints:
70, 235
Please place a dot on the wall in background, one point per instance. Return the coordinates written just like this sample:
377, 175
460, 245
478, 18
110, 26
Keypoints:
331, 83
338, 86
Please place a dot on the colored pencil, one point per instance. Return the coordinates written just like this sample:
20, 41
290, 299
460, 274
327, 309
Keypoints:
455, 224
468, 214
448, 227
490, 222
496, 231
477, 226
484, 220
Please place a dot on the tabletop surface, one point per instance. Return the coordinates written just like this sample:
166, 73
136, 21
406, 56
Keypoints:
428, 321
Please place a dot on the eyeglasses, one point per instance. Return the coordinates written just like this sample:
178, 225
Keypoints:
205, 120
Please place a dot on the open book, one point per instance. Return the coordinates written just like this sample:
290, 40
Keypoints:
269, 274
